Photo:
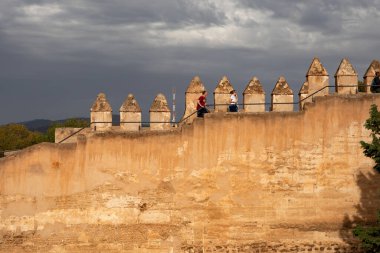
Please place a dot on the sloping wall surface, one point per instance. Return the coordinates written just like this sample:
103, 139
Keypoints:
231, 182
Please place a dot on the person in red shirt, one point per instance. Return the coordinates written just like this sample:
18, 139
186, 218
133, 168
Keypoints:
201, 105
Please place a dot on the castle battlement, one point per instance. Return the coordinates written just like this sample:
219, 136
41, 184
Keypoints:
282, 99
282, 181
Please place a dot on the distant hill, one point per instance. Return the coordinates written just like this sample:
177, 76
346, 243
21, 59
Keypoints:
42, 125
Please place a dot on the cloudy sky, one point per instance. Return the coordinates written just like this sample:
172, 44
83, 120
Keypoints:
56, 56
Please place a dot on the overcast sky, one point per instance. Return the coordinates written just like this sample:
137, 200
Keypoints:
56, 56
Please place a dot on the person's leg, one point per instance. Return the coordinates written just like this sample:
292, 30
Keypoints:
201, 112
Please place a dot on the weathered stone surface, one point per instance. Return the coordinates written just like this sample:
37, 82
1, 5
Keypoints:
303, 95
282, 93
195, 86
101, 104
101, 114
130, 111
345, 69
160, 104
372, 68
254, 87
316, 68
370, 74
282, 87
345, 77
130, 104
62, 133
224, 86
193, 92
222, 95
254, 93
317, 78
274, 182
159, 112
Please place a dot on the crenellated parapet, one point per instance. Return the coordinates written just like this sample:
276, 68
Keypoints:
130, 112
254, 96
282, 96
253, 100
159, 113
317, 78
370, 74
303, 95
193, 92
222, 95
346, 78
101, 113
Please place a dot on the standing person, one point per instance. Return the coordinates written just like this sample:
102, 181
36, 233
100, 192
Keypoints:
375, 86
233, 101
201, 105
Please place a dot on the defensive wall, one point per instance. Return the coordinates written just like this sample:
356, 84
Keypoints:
232, 182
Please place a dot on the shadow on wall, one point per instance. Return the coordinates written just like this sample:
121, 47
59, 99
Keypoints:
366, 210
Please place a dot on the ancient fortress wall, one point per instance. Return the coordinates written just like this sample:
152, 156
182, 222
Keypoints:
231, 182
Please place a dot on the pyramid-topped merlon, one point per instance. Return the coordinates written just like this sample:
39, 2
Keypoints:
316, 68
101, 104
282, 87
195, 86
254, 87
160, 104
224, 86
305, 88
372, 68
130, 104
345, 69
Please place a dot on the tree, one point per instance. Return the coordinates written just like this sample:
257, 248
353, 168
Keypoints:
370, 235
372, 149
17, 136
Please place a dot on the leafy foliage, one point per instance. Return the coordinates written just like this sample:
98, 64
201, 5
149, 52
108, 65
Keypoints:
18, 136
370, 235
372, 150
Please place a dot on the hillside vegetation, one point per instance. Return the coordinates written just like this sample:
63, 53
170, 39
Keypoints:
18, 136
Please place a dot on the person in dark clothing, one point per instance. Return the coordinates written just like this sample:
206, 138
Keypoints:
375, 86
201, 105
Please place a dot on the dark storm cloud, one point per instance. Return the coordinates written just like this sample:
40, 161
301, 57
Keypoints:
55, 56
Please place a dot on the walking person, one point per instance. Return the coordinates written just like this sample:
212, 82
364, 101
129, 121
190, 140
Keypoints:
233, 101
201, 105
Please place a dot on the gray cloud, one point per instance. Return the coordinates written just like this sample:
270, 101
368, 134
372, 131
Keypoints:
55, 56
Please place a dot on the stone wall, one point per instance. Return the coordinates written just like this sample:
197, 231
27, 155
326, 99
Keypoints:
244, 182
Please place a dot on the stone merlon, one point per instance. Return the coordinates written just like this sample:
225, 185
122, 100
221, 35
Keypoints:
345, 69
305, 88
160, 104
254, 87
282, 87
224, 86
195, 86
130, 104
316, 69
373, 67
101, 104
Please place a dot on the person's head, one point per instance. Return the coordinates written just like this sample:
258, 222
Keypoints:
204, 93
233, 92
